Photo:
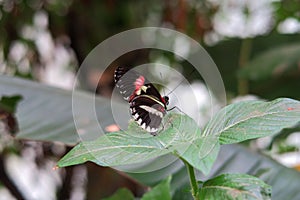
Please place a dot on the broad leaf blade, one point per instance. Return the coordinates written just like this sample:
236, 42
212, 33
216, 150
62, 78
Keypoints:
127, 147
114, 149
238, 159
45, 113
253, 119
202, 153
180, 136
235, 186
121, 194
199, 150
160, 191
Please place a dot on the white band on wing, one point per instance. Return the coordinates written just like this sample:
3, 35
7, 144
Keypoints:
152, 110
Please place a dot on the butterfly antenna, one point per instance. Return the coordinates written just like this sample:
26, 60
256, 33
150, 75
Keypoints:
180, 83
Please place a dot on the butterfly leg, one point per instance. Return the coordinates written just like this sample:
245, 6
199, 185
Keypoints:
177, 109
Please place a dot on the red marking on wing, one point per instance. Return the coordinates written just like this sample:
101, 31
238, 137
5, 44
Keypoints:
290, 108
139, 82
131, 97
162, 100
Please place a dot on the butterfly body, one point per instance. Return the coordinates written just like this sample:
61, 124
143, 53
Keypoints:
147, 106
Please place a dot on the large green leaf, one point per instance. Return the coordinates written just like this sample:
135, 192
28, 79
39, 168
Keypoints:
180, 135
114, 149
252, 119
232, 158
121, 194
45, 113
235, 187
273, 62
238, 159
160, 191
202, 153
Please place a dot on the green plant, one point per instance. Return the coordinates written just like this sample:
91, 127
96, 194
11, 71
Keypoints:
39, 124
197, 149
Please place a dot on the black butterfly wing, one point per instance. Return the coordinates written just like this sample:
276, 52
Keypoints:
147, 106
148, 111
152, 91
125, 81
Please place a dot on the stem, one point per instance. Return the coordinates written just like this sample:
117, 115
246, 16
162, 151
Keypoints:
193, 181
245, 51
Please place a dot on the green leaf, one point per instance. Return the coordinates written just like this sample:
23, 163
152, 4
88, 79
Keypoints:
253, 119
238, 159
9, 103
121, 194
235, 186
114, 149
180, 136
198, 155
160, 191
46, 113
274, 62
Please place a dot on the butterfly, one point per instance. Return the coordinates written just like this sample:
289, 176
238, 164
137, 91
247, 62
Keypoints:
147, 106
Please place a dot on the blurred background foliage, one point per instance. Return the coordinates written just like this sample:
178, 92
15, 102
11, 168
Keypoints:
254, 43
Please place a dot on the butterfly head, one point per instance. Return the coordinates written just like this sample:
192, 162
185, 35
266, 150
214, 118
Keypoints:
166, 100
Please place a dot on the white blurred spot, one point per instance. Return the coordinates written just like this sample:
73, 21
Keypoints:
57, 59
244, 18
290, 25
44, 180
40, 19
290, 159
294, 139
195, 101
182, 47
248, 97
